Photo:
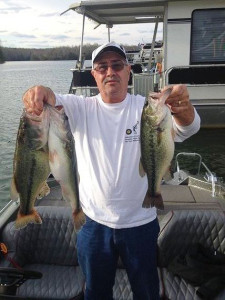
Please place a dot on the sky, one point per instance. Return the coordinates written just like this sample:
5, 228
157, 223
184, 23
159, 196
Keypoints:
38, 24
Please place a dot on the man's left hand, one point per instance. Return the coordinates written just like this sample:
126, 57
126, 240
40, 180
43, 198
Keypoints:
180, 105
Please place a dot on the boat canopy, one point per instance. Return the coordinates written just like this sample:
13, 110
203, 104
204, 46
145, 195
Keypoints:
121, 11
116, 12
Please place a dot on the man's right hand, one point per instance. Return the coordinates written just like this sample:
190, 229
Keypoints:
35, 97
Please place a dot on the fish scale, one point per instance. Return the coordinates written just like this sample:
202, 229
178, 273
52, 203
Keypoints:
149, 142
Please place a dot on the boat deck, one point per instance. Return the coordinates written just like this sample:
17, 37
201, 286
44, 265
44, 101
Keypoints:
175, 197
188, 197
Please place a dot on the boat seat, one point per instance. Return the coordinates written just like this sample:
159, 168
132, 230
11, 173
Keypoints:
49, 248
136, 68
179, 231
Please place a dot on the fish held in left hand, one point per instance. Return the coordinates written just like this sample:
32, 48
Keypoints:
157, 145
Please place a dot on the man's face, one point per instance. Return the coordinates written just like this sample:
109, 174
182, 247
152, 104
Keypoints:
112, 81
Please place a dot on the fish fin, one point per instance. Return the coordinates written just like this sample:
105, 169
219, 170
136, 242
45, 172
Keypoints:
151, 201
14, 195
79, 219
158, 202
59, 107
23, 220
141, 169
167, 176
44, 190
164, 95
159, 135
173, 133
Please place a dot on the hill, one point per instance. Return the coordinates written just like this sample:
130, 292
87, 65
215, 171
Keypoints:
57, 53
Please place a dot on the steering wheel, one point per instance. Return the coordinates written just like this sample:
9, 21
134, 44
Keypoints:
11, 279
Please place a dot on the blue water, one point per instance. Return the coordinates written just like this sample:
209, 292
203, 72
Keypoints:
17, 77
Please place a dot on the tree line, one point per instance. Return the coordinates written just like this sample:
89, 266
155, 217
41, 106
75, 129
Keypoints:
2, 59
56, 53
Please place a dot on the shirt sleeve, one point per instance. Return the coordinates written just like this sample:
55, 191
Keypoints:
184, 132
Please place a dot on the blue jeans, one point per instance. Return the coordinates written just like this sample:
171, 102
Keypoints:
99, 248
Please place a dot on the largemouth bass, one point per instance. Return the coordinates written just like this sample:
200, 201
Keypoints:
31, 167
63, 162
157, 145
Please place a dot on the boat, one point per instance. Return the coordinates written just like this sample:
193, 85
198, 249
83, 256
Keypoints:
191, 52
40, 261
142, 56
145, 52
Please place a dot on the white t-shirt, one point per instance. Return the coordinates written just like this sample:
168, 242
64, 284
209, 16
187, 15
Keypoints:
108, 154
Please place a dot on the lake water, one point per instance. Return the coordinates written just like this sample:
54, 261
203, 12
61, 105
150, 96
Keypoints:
17, 77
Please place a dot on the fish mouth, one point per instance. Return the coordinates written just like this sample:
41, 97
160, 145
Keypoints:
58, 109
32, 117
154, 96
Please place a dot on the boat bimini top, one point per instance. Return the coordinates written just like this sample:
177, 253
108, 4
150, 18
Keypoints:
120, 12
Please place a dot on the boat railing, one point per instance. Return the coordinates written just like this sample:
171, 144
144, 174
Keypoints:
190, 155
210, 177
7, 211
86, 91
83, 83
143, 83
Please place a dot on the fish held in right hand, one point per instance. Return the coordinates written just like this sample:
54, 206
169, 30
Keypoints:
30, 166
63, 162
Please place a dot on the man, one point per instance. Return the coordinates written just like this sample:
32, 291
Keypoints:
111, 189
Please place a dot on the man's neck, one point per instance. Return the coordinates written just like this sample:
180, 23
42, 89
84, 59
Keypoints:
113, 98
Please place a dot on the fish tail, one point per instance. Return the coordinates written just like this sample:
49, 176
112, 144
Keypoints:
79, 218
153, 200
22, 220
14, 195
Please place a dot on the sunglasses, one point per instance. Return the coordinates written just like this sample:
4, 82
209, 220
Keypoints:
116, 66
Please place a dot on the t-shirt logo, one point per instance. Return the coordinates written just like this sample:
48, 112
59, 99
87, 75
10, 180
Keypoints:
132, 134
128, 131
135, 127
